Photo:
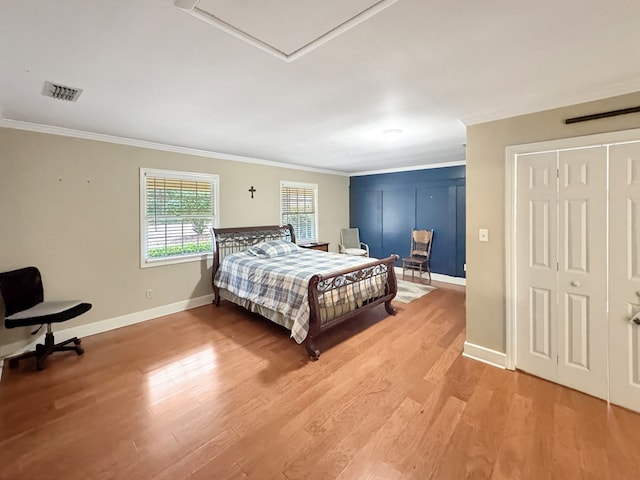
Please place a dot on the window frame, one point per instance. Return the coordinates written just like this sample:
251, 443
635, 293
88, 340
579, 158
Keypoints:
214, 179
310, 186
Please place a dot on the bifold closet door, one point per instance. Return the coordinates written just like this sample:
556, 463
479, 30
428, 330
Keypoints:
536, 259
624, 275
582, 270
561, 256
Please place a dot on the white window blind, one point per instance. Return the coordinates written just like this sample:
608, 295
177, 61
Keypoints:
298, 206
178, 210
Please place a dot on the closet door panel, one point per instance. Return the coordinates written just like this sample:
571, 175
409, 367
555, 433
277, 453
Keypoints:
582, 274
624, 275
536, 256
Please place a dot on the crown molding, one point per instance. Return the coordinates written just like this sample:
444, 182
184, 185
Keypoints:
132, 142
410, 168
559, 100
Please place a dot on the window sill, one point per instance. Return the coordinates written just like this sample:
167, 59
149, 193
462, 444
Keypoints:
160, 262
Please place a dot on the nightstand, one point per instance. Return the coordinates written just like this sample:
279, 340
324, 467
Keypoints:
323, 246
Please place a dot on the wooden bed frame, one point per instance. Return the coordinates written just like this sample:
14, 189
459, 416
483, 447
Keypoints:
232, 240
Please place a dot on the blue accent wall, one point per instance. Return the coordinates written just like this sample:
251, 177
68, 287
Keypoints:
386, 207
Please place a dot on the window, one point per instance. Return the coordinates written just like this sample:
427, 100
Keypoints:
299, 207
177, 212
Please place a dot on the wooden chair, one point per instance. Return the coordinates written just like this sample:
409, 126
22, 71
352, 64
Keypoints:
350, 243
22, 294
419, 254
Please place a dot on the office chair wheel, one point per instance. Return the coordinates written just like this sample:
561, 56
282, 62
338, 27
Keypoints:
76, 341
13, 363
79, 350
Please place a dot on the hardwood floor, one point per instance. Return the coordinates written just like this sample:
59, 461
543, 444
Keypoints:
220, 393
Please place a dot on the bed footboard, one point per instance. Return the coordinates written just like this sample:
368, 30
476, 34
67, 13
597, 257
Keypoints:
337, 297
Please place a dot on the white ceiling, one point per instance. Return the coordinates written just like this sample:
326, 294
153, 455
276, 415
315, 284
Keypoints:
286, 25
151, 72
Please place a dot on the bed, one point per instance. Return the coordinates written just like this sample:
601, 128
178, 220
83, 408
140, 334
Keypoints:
305, 290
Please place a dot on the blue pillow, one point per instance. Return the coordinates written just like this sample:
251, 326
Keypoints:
273, 248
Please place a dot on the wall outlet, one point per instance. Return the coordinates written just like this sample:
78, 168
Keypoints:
483, 235
149, 293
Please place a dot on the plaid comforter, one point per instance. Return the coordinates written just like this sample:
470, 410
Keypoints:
281, 283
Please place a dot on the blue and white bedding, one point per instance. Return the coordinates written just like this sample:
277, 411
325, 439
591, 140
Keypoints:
279, 281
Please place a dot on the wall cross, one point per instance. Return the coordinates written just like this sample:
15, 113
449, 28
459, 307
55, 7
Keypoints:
252, 190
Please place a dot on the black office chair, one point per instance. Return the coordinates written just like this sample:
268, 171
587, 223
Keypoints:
23, 297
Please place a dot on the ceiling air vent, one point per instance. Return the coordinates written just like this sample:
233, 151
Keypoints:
61, 92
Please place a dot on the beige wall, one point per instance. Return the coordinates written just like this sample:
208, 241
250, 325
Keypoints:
486, 145
71, 207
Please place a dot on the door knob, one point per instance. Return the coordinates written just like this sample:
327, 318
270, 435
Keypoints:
635, 319
575, 283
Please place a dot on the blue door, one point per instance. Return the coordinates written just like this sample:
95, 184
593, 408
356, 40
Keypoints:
398, 218
366, 214
435, 209
461, 230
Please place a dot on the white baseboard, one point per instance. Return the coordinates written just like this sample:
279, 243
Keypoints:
94, 328
485, 355
438, 277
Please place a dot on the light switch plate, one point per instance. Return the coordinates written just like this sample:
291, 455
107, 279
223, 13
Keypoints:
483, 235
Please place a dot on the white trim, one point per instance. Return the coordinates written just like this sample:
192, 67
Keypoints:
132, 142
510, 266
563, 99
210, 178
196, 257
191, 7
1, 367
573, 143
288, 183
438, 277
181, 175
94, 328
484, 355
511, 153
308, 186
456, 163
164, 147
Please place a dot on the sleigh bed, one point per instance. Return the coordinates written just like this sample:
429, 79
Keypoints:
305, 290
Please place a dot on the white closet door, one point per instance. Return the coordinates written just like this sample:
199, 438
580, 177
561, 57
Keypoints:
582, 273
624, 275
536, 258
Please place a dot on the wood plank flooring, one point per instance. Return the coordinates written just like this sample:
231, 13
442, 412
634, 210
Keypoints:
223, 394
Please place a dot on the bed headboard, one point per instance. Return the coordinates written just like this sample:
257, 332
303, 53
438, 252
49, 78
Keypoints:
237, 239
